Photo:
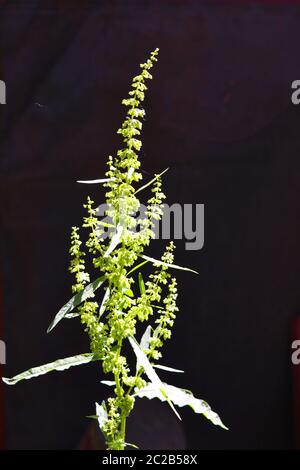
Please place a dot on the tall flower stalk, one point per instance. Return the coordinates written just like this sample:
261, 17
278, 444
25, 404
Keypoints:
127, 299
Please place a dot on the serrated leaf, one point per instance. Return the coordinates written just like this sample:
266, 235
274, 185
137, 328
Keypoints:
59, 365
115, 240
158, 262
168, 369
149, 371
76, 300
180, 397
152, 181
102, 180
141, 284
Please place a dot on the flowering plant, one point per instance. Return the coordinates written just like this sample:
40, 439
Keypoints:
127, 298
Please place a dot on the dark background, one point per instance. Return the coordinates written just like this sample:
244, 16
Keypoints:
219, 114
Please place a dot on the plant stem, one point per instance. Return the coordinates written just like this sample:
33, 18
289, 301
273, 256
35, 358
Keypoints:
123, 429
120, 393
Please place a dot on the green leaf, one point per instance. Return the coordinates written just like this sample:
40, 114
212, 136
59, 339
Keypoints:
128, 444
115, 240
149, 371
71, 315
105, 224
137, 267
109, 383
103, 303
180, 397
130, 172
157, 262
129, 293
103, 180
101, 413
59, 365
144, 362
144, 344
76, 300
158, 307
168, 369
141, 284
152, 181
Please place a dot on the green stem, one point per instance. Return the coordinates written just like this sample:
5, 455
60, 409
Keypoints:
119, 394
117, 373
123, 429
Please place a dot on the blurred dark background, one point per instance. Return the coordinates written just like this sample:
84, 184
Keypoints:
219, 114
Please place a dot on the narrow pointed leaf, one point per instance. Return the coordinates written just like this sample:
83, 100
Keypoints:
170, 403
71, 315
109, 383
105, 224
101, 413
130, 172
103, 303
152, 181
137, 267
102, 180
59, 365
144, 362
150, 372
144, 344
76, 300
115, 240
128, 444
158, 262
141, 284
180, 397
168, 369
